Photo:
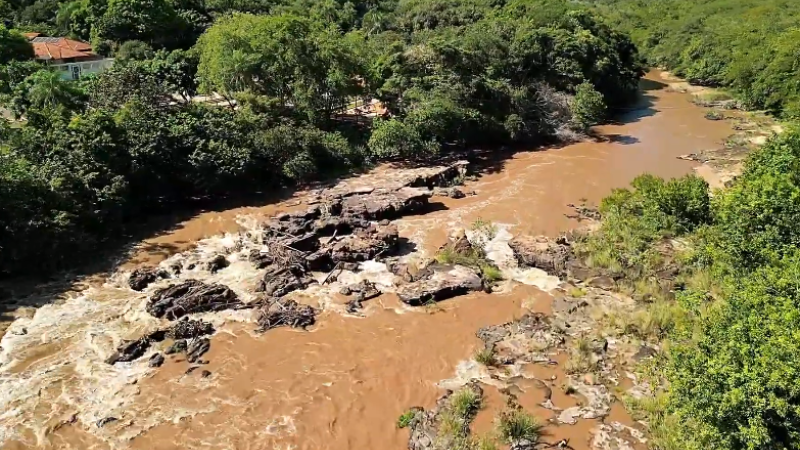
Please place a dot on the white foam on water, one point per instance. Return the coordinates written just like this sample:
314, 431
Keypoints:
495, 244
52, 365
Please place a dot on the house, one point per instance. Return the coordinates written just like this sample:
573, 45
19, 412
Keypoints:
72, 58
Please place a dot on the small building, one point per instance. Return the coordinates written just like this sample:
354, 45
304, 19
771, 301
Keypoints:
72, 58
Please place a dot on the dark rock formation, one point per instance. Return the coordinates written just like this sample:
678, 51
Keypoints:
452, 192
156, 360
287, 313
279, 281
144, 276
197, 348
129, 351
189, 328
260, 259
178, 346
542, 253
105, 421
442, 282
217, 263
364, 291
191, 296
205, 373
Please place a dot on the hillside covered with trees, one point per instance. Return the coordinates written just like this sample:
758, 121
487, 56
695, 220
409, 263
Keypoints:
748, 46
89, 157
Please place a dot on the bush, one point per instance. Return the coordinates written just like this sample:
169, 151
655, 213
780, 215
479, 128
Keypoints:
735, 387
588, 107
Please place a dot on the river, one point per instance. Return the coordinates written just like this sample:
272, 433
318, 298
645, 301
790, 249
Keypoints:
342, 384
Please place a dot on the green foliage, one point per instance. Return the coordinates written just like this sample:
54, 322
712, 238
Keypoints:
633, 220
729, 370
485, 356
588, 107
133, 50
94, 155
748, 46
13, 46
735, 386
515, 424
758, 217
154, 22
405, 419
43, 92
287, 58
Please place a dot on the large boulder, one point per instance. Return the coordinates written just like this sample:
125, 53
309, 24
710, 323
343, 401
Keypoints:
286, 314
443, 282
541, 253
279, 281
386, 204
130, 350
144, 276
191, 296
366, 244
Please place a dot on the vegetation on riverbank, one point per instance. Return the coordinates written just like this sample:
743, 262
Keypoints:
88, 158
721, 277
747, 46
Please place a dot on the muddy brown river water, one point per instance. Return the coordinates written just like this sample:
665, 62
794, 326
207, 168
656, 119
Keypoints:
342, 384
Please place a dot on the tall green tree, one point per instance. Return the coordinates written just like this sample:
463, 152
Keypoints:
13, 46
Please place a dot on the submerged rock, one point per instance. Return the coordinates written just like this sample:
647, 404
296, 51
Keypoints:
144, 276
217, 263
191, 296
178, 346
286, 314
105, 421
197, 348
189, 328
443, 282
156, 360
279, 281
364, 291
129, 351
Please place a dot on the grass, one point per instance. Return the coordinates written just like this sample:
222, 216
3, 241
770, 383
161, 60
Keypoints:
464, 403
405, 419
710, 97
474, 258
576, 292
486, 357
485, 227
491, 273
516, 424
455, 419
580, 359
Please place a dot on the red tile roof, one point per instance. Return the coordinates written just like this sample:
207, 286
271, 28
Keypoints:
48, 48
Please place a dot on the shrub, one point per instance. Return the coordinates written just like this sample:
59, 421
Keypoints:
588, 107
405, 419
516, 424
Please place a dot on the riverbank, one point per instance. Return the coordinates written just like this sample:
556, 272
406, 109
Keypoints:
343, 383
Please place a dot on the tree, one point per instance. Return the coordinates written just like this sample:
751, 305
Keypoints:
133, 50
588, 107
301, 64
154, 22
13, 46
44, 91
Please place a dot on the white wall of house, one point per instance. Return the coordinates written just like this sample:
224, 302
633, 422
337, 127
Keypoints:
76, 70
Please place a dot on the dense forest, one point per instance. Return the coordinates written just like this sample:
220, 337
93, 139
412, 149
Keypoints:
751, 47
727, 376
87, 158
